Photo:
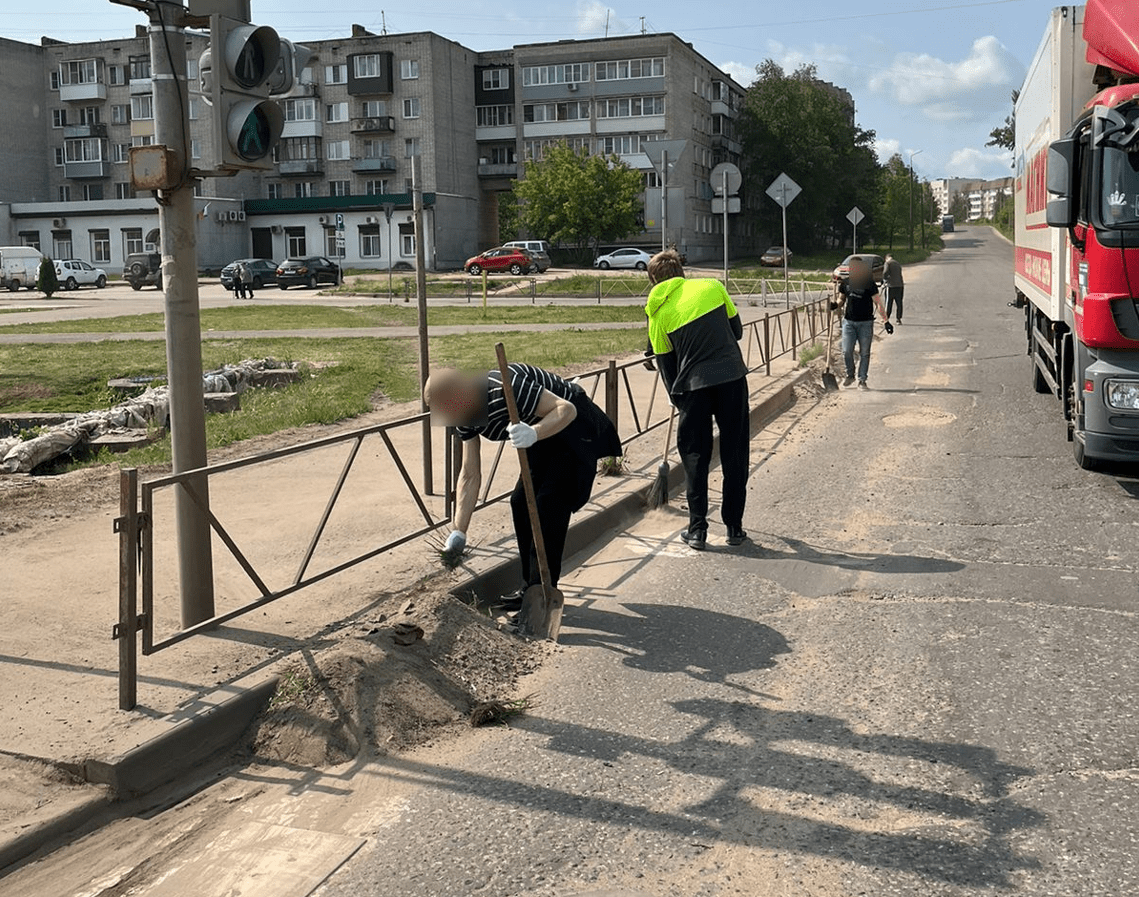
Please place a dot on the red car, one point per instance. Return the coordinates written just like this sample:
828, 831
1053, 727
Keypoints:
504, 258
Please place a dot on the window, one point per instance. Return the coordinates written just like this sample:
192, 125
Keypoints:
339, 188
142, 140
622, 145
535, 149
367, 66
276, 191
331, 249
79, 71
116, 74
336, 112
411, 107
101, 247
502, 155
302, 189
406, 239
140, 68
93, 192
59, 156
195, 148
123, 191
300, 110
120, 114
192, 69
194, 106
142, 107
87, 149
630, 68
411, 147
570, 73
298, 149
370, 241
337, 150
494, 116
54, 78
61, 242
132, 240
375, 149
374, 108
496, 79
336, 74
58, 118
298, 248
630, 107
376, 187
409, 69
576, 110
30, 238
89, 115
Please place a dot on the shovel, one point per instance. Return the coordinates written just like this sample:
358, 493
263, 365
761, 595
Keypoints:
541, 613
830, 381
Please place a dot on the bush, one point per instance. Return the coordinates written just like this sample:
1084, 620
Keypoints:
47, 283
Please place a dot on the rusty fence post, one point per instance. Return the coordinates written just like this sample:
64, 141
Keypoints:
767, 342
612, 410
127, 527
794, 333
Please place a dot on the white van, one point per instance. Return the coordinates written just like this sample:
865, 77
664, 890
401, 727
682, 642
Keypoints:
19, 267
539, 251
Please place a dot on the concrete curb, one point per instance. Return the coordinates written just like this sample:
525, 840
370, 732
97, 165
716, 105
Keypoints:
219, 725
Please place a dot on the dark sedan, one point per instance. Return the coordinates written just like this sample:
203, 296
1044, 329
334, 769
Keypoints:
307, 272
264, 272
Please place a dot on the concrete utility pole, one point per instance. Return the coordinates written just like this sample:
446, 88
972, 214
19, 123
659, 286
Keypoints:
664, 201
914, 153
178, 226
421, 299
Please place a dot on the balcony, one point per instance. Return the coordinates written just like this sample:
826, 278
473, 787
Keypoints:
82, 131
380, 124
308, 128
141, 85
719, 107
498, 169
299, 167
724, 142
379, 163
86, 170
81, 93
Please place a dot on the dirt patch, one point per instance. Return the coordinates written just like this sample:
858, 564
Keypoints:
408, 674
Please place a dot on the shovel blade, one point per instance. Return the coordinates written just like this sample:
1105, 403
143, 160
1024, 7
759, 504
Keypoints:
541, 613
830, 382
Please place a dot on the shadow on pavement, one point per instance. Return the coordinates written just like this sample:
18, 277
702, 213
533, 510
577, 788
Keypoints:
785, 548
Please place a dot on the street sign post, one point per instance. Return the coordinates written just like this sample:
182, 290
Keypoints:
663, 154
340, 246
784, 190
726, 182
855, 216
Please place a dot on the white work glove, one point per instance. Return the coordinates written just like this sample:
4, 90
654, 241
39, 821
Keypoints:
522, 435
456, 542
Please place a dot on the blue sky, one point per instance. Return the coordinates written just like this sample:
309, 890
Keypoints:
927, 75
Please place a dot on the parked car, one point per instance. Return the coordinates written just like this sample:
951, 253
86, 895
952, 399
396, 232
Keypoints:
539, 251
76, 273
503, 258
624, 258
141, 268
307, 272
876, 263
773, 257
263, 270
19, 267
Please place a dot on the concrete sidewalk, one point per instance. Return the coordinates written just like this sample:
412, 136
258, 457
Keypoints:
198, 697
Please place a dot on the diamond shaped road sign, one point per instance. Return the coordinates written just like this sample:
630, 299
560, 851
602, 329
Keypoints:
855, 216
783, 190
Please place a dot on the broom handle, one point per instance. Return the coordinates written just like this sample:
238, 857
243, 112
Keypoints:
527, 480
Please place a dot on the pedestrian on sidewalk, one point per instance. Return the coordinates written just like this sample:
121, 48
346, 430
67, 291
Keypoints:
694, 334
860, 298
895, 286
564, 433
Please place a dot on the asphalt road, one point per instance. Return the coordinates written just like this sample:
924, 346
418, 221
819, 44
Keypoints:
919, 678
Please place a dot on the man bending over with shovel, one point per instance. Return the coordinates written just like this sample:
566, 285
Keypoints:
565, 435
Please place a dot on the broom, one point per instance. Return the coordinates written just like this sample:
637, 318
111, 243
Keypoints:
658, 494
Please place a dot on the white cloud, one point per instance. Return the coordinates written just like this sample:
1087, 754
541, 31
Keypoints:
970, 162
886, 147
593, 16
743, 74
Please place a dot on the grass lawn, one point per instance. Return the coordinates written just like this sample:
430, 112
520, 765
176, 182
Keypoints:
73, 377
300, 317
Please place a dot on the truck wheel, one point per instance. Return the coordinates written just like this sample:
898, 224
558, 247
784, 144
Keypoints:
101, 282
1039, 384
1083, 459
72, 283
13, 286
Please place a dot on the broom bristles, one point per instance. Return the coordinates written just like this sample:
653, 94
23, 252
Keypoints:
658, 494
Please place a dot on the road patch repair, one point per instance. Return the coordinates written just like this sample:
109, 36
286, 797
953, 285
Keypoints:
404, 669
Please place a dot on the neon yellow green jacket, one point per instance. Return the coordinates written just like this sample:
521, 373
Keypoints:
694, 331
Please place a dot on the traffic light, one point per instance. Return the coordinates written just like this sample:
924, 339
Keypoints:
238, 73
291, 62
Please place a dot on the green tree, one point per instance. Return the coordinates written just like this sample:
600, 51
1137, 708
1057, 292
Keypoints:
959, 207
47, 283
579, 200
796, 124
893, 202
1004, 135
507, 217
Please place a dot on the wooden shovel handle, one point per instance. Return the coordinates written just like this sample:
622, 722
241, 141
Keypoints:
527, 480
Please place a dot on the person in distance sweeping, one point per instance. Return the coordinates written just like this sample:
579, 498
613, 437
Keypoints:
694, 334
563, 431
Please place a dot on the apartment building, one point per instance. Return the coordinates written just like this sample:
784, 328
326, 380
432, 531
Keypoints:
983, 196
364, 108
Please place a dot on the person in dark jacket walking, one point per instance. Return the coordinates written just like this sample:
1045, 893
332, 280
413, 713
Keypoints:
859, 298
895, 286
565, 435
694, 334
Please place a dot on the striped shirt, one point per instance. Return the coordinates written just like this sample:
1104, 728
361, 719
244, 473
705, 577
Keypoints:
529, 384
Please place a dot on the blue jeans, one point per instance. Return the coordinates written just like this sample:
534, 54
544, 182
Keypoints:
863, 332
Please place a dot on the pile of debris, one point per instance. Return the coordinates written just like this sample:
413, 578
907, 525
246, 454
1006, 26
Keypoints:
147, 413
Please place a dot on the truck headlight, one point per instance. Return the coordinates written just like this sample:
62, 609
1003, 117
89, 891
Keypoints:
1122, 394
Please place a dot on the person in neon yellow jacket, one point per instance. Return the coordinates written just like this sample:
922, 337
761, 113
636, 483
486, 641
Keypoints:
694, 334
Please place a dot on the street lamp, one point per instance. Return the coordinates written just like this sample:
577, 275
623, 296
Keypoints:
914, 153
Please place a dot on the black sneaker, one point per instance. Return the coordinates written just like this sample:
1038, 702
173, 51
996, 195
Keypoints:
511, 604
849, 381
862, 384
736, 535
695, 540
